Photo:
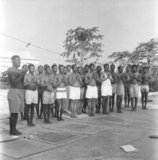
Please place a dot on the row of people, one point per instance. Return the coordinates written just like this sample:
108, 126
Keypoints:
75, 90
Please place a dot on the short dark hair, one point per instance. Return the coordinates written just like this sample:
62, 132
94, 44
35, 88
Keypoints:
54, 65
46, 66
106, 64
134, 65
92, 64
14, 57
40, 66
30, 65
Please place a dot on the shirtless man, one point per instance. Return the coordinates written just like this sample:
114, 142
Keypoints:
114, 85
145, 79
54, 73
92, 91
16, 93
75, 81
48, 94
85, 71
134, 87
61, 93
99, 69
127, 86
82, 97
120, 88
31, 94
106, 88
40, 75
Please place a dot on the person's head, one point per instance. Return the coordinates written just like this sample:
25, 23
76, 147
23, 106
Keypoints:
106, 67
16, 61
134, 68
74, 68
31, 68
86, 68
112, 67
61, 68
65, 69
68, 68
48, 69
80, 70
54, 68
25, 67
145, 69
128, 68
40, 69
45, 66
120, 69
99, 69
92, 67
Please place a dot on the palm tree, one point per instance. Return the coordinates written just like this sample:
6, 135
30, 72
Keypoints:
82, 44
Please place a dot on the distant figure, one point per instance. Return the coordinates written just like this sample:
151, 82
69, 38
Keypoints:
134, 87
145, 79
98, 105
16, 93
119, 88
92, 91
31, 94
106, 88
127, 86
114, 85
61, 83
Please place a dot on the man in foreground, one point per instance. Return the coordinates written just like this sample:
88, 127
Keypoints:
16, 93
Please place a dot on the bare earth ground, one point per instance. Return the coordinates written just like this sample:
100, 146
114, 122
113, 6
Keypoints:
97, 138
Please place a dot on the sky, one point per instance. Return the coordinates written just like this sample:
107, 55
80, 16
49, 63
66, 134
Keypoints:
124, 24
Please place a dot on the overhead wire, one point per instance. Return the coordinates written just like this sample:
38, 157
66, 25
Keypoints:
27, 44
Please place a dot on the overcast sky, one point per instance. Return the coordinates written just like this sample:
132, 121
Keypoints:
124, 24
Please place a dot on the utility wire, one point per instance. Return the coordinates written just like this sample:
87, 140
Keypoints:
29, 44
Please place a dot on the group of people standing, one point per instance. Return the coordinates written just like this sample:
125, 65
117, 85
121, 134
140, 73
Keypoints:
54, 90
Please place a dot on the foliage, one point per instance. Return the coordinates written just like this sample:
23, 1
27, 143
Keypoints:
82, 44
146, 52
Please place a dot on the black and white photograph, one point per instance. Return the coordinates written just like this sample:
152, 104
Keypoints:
78, 79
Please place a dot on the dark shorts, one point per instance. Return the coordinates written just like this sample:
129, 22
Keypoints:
16, 100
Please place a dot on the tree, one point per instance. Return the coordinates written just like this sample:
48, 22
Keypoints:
82, 44
147, 51
144, 53
121, 57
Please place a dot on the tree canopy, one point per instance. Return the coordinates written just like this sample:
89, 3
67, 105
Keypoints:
82, 44
146, 52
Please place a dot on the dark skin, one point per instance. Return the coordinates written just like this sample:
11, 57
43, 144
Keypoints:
113, 81
120, 80
48, 84
145, 79
127, 86
105, 99
99, 69
75, 80
30, 84
15, 77
40, 92
90, 80
85, 71
61, 81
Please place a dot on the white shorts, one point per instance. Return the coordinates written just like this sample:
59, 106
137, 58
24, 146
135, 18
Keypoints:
48, 97
75, 93
31, 97
61, 93
92, 92
144, 88
134, 90
106, 88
